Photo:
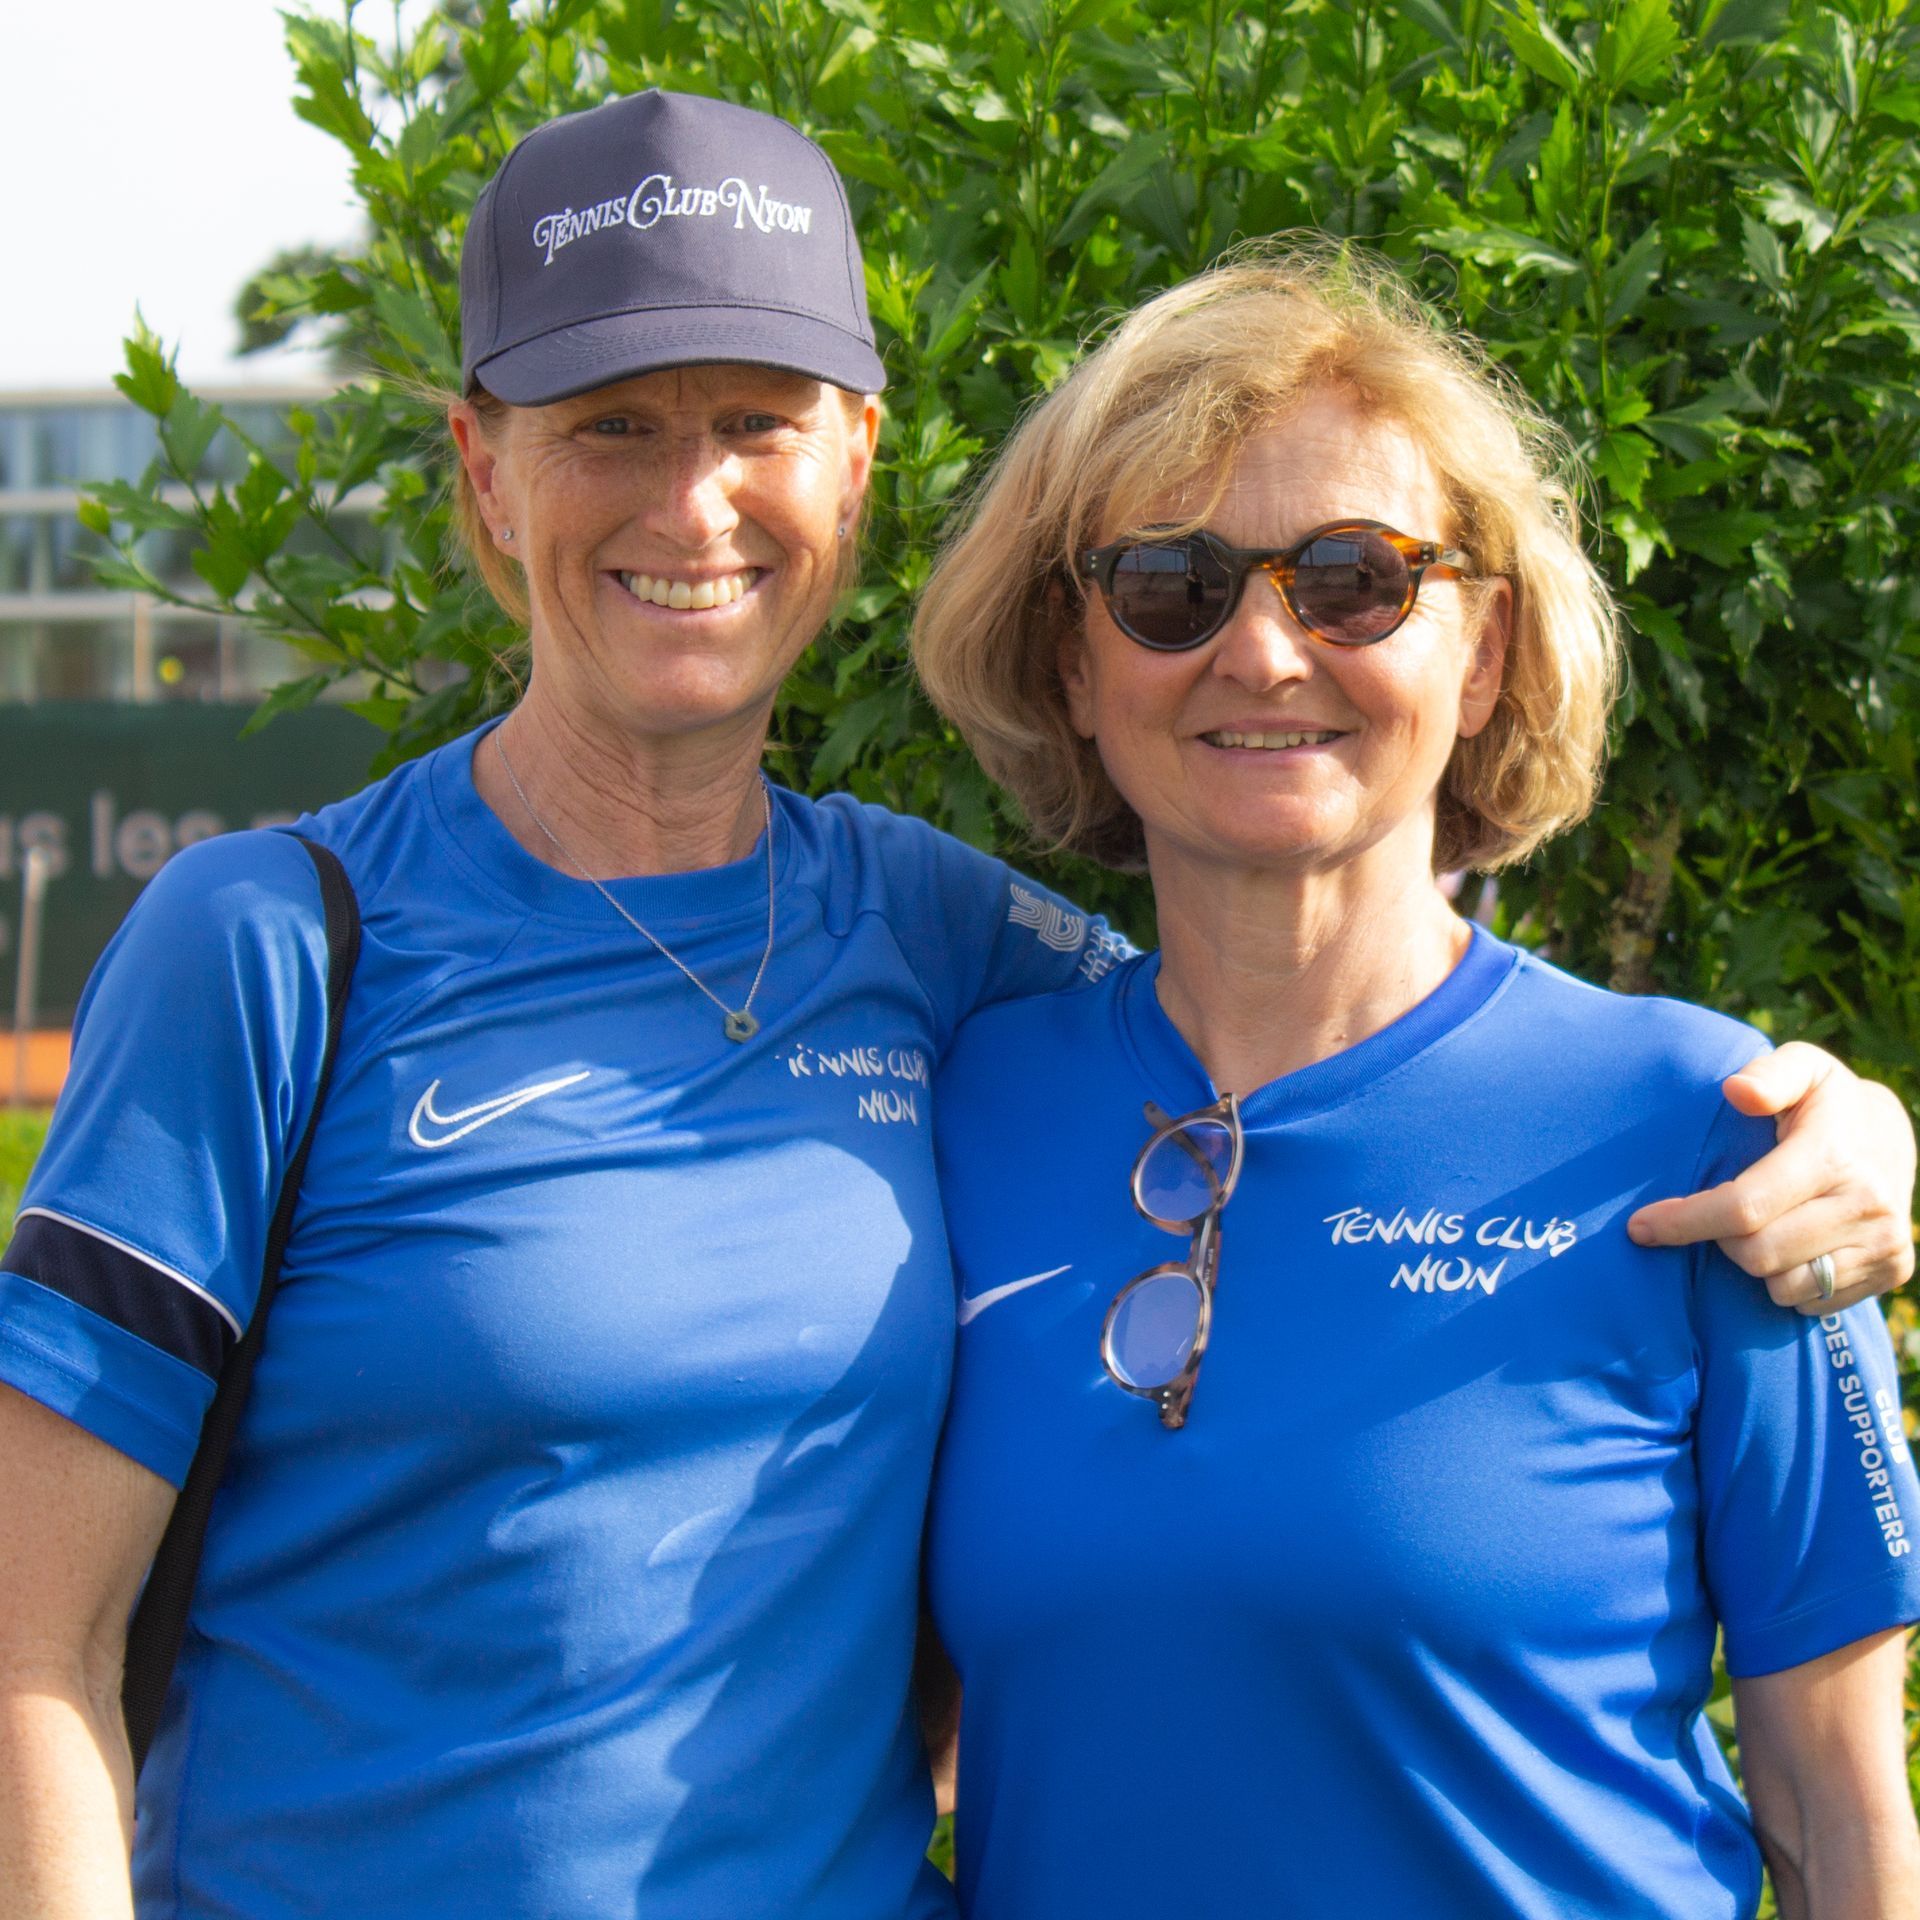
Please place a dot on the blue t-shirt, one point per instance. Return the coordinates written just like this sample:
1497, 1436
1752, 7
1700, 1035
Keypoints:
1416, 1615
567, 1563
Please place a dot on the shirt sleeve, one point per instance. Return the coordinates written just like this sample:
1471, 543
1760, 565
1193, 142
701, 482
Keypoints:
137, 1252
976, 931
1809, 1502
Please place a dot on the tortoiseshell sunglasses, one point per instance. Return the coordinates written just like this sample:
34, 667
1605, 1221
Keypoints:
1155, 1333
1350, 583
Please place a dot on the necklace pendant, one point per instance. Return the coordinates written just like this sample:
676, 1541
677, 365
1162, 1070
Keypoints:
742, 1025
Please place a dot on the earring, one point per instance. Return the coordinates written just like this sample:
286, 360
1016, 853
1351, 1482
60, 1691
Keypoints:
506, 533
840, 532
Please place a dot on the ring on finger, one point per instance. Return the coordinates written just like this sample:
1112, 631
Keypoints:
1821, 1267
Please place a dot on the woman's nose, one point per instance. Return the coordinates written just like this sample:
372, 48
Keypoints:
693, 503
1263, 645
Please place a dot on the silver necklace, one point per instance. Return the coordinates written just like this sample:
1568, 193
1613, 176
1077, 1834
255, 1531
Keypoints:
740, 1023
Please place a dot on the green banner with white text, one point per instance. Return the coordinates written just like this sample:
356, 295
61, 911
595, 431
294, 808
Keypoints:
112, 792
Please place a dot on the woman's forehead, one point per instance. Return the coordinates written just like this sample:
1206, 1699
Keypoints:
1327, 459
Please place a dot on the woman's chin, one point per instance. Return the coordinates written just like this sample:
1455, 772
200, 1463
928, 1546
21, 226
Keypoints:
1297, 838
1277, 840
679, 698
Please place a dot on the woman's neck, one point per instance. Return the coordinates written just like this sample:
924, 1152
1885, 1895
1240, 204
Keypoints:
1264, 973
622, 806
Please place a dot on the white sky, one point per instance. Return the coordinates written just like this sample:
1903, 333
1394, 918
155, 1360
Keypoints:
151, 155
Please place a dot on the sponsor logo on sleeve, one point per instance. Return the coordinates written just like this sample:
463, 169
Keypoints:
1064, 932
1870, 1415
1105, 950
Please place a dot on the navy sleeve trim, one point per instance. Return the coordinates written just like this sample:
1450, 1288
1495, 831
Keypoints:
116, 1281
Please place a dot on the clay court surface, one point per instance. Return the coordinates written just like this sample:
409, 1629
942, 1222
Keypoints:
32, 1070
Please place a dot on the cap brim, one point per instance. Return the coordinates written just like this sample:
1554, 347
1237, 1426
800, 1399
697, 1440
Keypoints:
596, 353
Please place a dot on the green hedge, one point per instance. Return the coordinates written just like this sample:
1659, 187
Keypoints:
1691, 228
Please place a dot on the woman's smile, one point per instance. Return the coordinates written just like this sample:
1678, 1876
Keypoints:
680, 593
1272, 739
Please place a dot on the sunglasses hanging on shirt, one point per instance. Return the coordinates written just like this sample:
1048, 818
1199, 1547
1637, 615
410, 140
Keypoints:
1155, 1332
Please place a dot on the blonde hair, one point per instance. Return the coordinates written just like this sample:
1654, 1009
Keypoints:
501, 575
1162, 406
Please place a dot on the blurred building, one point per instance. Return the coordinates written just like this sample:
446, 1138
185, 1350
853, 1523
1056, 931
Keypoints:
64, 637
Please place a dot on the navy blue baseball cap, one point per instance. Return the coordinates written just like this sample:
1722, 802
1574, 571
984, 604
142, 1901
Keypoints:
661, 230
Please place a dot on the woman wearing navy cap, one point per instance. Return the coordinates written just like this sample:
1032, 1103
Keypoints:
566, 1561
1337, 1509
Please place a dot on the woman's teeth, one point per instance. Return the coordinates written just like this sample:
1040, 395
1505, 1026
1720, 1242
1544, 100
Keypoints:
690, 593
1268, 739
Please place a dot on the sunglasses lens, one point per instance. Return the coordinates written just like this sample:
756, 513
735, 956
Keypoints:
1185, 1173
1151, 1336
1351, 587
1168, 593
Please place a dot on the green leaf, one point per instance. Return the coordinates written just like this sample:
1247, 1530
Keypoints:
1633, 276
421, 143
318, 647
1786, 206
493, 56
1540, 49
1116, 182
1020, 281
331, 103
190, 430
1636, 45
289, 697
149, 381
1435, 19
141, 509
119, 574
1504, 246
1556, 187
1623, 460
852, 731
1640, 536
1029, 18
955, 319
1719, 405
1761, 251
224, 564
384, 711
1726, 537
1741, 23
259, 489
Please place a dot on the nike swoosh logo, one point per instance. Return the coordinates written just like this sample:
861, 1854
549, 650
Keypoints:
483, 1114
973, 1305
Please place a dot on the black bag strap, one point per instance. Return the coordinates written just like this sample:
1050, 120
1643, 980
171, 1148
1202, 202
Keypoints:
159, 1624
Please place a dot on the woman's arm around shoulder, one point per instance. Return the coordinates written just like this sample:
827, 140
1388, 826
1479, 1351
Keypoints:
1824, 1754
1839, 1181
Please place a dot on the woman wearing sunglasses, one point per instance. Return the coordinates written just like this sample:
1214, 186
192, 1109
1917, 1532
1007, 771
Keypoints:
1337, 1509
